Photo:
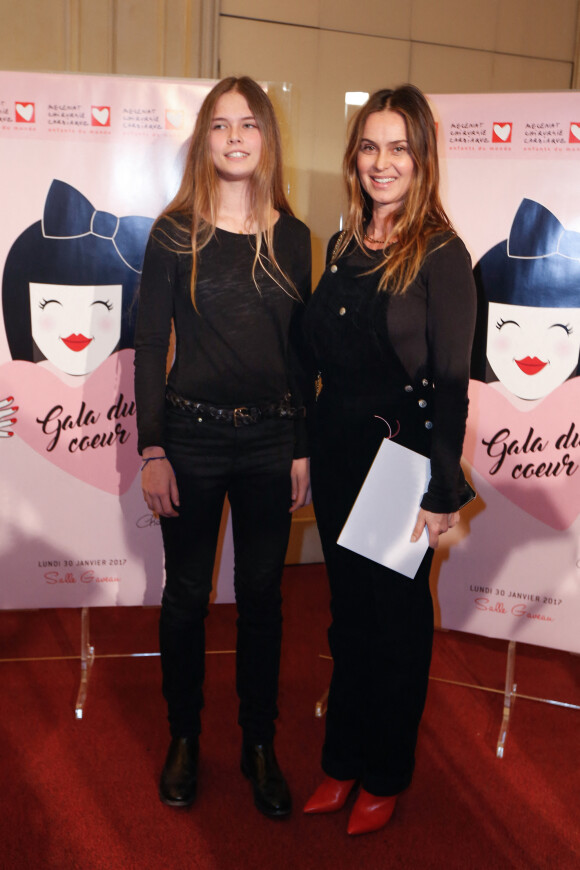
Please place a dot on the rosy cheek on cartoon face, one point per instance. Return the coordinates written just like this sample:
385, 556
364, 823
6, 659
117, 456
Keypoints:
503, 345
76, 327
564, 349
532, 350
105, 325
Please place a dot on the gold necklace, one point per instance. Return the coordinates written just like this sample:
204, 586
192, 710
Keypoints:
375, 241
386, 241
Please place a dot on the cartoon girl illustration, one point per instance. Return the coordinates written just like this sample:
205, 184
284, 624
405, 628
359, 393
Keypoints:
519, 563
531, 283
523, 429
78, 269
68, 289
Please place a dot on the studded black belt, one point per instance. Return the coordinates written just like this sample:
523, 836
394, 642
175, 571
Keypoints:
245, 415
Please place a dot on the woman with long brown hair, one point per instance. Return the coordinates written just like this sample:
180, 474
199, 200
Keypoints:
390, 327
229, 266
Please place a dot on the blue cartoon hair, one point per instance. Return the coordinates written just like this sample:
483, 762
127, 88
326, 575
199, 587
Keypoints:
537, 266
73, 244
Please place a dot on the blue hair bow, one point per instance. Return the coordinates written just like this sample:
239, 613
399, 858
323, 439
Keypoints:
538, 265
536, 233
69, 215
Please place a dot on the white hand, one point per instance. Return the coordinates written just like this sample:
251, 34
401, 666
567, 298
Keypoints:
7, 419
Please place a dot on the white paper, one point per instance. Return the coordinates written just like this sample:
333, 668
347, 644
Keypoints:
384, 514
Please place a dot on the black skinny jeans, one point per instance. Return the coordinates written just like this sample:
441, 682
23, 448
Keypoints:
382, 622
252, 465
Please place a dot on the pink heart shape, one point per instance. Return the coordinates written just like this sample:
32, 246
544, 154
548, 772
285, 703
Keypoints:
529, 455
89, 430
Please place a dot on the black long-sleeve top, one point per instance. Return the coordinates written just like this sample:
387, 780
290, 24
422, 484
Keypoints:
242, 345
367, 342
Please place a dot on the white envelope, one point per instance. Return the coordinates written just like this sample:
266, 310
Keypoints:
384, 514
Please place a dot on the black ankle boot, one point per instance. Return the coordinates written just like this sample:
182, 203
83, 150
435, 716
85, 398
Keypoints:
271, 794
178, 782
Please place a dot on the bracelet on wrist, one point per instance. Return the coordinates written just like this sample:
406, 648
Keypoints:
151, 459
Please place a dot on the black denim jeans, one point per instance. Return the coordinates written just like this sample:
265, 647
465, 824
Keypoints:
252, 465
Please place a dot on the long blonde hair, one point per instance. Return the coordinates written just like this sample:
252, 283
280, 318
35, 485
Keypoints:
198, 196
421, 215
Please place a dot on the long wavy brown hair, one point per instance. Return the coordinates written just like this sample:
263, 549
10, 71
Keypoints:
196, 203
421, 216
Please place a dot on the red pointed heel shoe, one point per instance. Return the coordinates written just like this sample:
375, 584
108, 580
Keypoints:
330, 795
370, 813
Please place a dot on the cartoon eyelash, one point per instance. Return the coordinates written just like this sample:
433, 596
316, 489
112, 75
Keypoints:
42, 305
107, 303
565, 326
501, 322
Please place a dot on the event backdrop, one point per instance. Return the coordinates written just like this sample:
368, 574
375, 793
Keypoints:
511, 167
86, 164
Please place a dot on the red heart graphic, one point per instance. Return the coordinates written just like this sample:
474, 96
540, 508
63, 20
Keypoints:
502, 132
25, 112
88, 430
529, 453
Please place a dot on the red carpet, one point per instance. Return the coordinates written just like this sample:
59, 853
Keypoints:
83, 794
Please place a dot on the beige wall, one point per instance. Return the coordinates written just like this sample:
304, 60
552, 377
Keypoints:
327, 47
323, 48
132, 37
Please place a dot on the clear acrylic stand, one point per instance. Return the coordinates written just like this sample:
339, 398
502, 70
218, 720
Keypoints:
321, 706
509, 696
88, 656
87, 659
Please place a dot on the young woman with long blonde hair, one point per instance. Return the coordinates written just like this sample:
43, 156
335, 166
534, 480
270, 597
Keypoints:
229, 266
390, 327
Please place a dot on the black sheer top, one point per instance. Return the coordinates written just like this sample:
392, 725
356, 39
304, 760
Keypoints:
242, 345
366, 342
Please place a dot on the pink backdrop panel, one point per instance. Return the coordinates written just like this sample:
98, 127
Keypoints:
512, 568
76, 154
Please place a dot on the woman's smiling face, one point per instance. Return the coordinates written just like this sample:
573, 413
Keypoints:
76, 327
235, 141
384, 163
532, 350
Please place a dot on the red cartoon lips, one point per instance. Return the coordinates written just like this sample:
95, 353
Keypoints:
76, 342
531, 365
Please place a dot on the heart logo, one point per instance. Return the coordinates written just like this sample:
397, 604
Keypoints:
173, 119
101, 115
574, 132
502, 131
89, 431
530, 456
25, 110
